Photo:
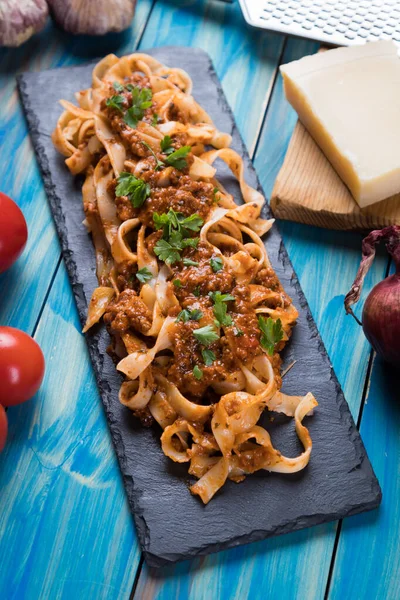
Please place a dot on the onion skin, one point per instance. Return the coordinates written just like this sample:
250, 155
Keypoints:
20, 19
383, 333
381, 313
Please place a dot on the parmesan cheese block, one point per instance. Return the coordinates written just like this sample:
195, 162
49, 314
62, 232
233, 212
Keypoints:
349, 100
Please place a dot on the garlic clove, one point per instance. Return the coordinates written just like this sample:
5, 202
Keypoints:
93, 18
20, 19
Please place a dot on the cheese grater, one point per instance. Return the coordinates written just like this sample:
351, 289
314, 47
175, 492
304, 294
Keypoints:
341, 23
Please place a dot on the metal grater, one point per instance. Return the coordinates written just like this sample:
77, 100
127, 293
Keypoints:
342, 23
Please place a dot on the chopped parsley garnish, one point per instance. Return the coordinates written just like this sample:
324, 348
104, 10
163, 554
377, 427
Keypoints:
154, 119
136, 189
166, 145
190, 263
220, 310
159, 163
215, 191
218, 297
216, 264
118, 87
177, 230
116, 102
272, 333
197, 372
208, 357
141, 99
177, 283
206, 335
144, 275
189, 315
238, 332
196, 292
178, 158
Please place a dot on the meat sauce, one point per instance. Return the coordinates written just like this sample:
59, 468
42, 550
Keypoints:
173, 189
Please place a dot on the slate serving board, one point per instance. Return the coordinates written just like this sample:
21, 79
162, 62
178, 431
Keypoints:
173, 525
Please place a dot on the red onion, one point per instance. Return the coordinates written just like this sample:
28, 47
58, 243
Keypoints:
381, 313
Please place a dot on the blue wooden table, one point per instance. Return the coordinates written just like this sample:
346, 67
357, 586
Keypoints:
65, 528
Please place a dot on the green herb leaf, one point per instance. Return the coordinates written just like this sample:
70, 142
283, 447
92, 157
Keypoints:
166, 145
196, 292
118, 87
197, 372
238, 332
166, 252
141, 99
193, 223
220, 310
159, 163
178, 158
218, 297
190, 263
206, 335
216, 264
136, 189
116, 102
215, 191
189, 315
208, 357
177, 283
154, 119
272, 333
144, 275
192, 242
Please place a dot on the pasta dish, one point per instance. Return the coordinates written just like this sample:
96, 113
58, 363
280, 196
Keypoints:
197, 315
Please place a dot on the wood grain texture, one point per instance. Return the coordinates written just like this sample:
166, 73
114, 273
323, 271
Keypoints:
367, 562
65, 527
309, 190
280, 568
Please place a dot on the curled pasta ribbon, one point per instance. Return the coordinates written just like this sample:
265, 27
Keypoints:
137, 394
136, 362
99, 301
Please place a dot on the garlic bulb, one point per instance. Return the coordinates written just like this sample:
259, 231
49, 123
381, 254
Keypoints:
20, 19
92, 17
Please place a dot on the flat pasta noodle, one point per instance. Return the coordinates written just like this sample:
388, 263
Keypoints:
196, 313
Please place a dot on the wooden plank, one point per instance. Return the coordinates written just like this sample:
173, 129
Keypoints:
65, 526
20, 178
367, 561
281, 568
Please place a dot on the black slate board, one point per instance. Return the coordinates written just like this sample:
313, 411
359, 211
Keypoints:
173, 525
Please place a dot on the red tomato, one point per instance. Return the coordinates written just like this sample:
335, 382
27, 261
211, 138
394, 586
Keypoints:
21, 366
3, 428
13, 232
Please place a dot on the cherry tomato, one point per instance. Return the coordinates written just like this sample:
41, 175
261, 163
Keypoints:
3, 428
21, 366
13, 232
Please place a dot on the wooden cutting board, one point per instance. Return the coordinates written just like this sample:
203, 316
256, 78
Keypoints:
308, 190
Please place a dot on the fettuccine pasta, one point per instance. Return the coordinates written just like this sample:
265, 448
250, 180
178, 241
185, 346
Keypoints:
197, 315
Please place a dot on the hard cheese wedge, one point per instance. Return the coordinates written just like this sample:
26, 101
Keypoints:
349, 100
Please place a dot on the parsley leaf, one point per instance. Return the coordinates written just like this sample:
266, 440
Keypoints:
272, 333
154, 119
238, 332
206, 335
116, 102
141, 99
216, 264
177, 283
208, 357
190, 263
193, 223
196, 292
118, 87
166, 252
215, 192
144, 275
177, 158
220, 310
197, 372
189, 315
218, 297
136, 189
159, 163
166, 145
